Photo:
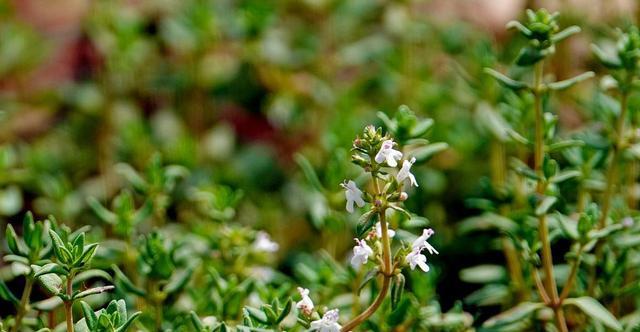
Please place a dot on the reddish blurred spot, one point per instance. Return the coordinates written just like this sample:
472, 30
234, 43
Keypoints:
255, 127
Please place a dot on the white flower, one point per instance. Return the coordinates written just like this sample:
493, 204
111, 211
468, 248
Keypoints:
390, 231
353, 195
422, 243
263, 243
416, 258
361, 253
305, 305
405, 172
388, 154
328, 323
627, 222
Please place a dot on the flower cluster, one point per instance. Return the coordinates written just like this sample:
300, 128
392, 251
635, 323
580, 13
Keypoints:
328, 322
390, 173
390, 157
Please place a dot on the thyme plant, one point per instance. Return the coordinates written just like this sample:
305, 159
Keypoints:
389, 178
584, 224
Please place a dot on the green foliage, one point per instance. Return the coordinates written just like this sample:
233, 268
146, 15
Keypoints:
192, 150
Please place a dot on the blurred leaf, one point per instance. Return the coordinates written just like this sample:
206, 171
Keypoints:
561, 85
506, 81
522, 311
594, 310
309, 172
483, 274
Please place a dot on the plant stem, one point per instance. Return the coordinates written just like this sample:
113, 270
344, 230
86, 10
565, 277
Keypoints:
543, 230
386, 278
561, 322
610, 182
498, 177
156, 300
615, 155
24, 304
540, 287
572, 276
68, 304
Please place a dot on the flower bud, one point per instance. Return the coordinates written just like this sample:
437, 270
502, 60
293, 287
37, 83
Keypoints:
403, 196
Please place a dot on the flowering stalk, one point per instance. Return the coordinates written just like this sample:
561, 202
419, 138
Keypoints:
390, 172
386, 279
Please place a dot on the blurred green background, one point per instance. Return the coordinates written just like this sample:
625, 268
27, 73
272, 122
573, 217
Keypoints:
244, 93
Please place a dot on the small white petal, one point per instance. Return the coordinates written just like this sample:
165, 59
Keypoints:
328, 322
264, 243
353, 195
388, 154
390, 231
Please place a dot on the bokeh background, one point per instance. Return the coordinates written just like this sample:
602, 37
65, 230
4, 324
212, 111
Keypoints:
247, 93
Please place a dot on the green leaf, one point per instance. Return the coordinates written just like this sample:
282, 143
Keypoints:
48, 268
401, 210
486, 221
16, 258
489, 295
309, 172
484, 274
396, 290
397, 316
545, 205
493, 122
92, 291
593, 309
523, 169
6, 294
271, 315
78, 244
566, 33
285, 311
568, 226
565, 175
611, 62
178, 280
366, 221
102, 212
368, 277
89, 316
390, 124
51, 282
132, 318
520, 27
566, 144
91, 274
133, 177
15, 246
28, 229
425, 152
529, 56
513, 315
58, 247
47, 305
256, 314
88, 253
421, 128
124, 283
195, 320
565, 84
